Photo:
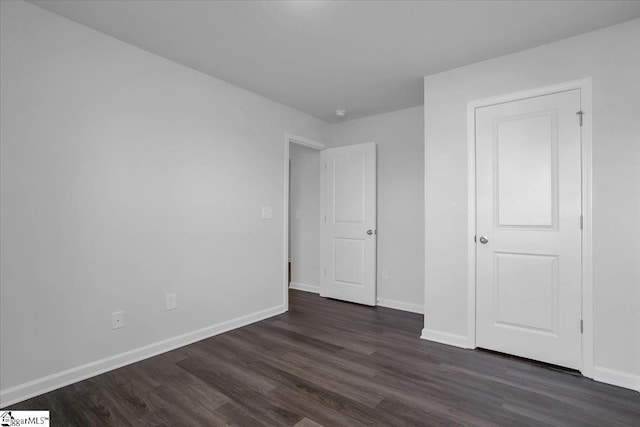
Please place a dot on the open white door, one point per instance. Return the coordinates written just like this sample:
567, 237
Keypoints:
348, 221
528, 295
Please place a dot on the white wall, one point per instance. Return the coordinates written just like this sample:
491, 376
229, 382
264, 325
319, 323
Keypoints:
612, 58
126, 176
304, 216
400, 138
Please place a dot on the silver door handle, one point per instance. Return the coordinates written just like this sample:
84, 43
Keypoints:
484, 240
369, 232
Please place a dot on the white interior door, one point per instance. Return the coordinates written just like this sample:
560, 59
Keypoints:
348, 235
528, 290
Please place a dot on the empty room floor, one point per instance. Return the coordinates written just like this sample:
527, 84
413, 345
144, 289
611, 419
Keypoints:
327, 362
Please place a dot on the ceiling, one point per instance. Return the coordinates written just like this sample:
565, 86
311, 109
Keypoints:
319, 56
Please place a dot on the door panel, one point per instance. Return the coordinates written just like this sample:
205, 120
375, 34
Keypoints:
349, 261
349, 171
528, 295
530, 278
525, 168
348, 212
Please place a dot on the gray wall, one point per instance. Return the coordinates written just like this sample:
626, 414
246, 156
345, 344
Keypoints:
400, 139
126, 176
611, 57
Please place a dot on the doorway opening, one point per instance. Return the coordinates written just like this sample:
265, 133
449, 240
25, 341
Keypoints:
330, 220
301, 214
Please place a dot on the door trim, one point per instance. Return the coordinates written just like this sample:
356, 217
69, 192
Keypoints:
584, 85
300, 140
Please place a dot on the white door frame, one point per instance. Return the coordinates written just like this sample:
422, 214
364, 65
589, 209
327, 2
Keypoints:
288, 139
587, 272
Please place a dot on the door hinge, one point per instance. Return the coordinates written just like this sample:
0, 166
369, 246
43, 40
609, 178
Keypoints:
581, 222
580, 114
581, 326
475, 239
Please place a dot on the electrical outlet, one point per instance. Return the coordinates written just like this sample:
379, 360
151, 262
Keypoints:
117, 319
171, 301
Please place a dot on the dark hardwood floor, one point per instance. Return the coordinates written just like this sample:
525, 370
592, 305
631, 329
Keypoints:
333, 363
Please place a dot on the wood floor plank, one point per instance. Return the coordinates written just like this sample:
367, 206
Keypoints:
251, 397
332, 363
306, 422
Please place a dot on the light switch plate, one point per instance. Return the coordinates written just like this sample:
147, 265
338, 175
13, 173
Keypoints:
171, 301
267, 212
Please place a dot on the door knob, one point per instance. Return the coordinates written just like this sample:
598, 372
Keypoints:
369, 232
484, 240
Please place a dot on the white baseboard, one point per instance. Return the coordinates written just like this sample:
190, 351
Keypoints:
382, 302
304, 287
42, 385
619, 378
445, 338
604, 375
400, 305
